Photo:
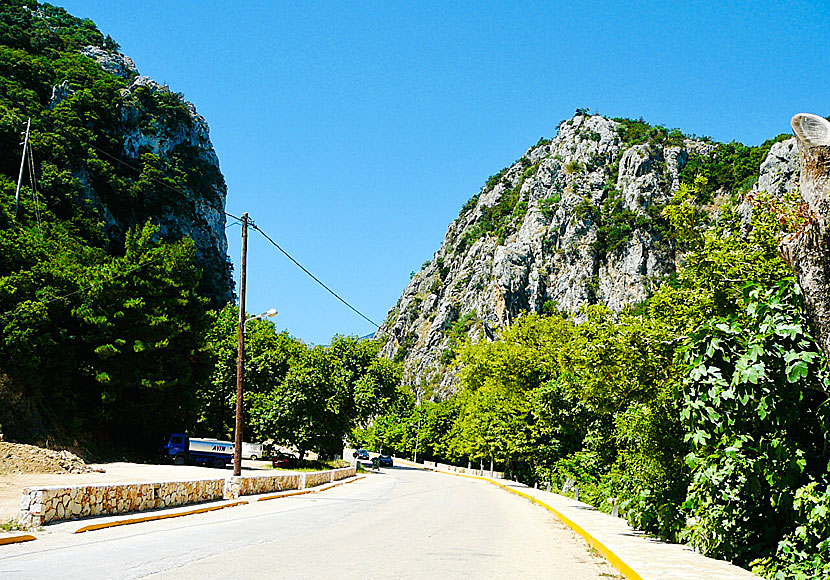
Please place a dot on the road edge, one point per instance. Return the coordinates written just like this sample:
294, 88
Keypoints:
612, 558
159, 516
188, 512
4, 540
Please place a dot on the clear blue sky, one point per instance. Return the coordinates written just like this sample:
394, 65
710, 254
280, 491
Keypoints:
353, 133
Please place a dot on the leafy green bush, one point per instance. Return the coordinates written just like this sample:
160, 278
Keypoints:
730, 168
750, 413
638, 132
804, 553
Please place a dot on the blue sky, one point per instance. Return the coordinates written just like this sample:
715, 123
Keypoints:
352, 133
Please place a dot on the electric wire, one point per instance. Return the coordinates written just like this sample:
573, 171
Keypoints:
313, 277
238, 219
94, 284
109, 279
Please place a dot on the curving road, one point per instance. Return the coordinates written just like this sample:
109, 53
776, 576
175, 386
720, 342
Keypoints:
402, 523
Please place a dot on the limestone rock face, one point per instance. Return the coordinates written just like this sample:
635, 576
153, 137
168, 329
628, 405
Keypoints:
573, 222
114, 63
808, 251
779, 171
159, 129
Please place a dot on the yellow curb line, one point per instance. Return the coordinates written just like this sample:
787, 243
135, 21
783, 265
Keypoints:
612, 558
418, 465
310, 490
16, 539
289, 494
139, 520
341, 482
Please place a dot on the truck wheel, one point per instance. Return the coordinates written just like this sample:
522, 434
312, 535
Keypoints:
254, 457
179, 460
219, 463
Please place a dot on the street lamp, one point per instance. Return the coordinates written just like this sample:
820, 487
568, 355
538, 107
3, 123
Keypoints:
268, 314
237, 446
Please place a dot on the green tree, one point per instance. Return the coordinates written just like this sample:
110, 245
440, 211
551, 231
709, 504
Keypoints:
753, 409
268, 358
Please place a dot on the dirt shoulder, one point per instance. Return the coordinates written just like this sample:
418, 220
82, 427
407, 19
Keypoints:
28, 466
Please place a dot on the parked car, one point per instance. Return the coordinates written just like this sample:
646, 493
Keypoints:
362, 454
283, 460
385, 460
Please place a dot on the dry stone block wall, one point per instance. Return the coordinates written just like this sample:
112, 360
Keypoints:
42, 505
238, 486
319, 478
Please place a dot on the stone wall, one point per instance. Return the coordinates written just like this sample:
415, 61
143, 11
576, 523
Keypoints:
252, 485
238, 486
42, 505
312, 479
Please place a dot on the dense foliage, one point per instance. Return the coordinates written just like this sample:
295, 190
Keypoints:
304, 397
701, 412
103, 313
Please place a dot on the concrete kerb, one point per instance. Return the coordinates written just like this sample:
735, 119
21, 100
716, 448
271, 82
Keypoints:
50, 504
16, 539
310, 490
174, 513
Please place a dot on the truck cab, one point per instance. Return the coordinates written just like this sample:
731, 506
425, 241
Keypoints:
176, 448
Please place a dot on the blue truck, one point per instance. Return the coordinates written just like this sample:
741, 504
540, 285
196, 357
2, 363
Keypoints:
182, 449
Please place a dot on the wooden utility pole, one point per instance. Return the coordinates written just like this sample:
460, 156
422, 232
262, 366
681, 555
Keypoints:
22, 165
240, 359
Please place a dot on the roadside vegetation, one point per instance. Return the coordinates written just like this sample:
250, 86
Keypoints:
702, 412
306, 397
112, 332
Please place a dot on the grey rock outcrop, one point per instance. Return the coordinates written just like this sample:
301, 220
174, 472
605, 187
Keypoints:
59, 93
114, 63
153, 120
575, 224
807, 250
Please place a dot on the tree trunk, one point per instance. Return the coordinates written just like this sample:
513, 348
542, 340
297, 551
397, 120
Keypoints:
808, 251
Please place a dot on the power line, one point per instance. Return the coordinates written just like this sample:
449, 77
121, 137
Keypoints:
33, 181
93, 285
313, 277
135, 168
238, 219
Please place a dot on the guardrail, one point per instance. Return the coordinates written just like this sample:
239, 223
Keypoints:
464, 470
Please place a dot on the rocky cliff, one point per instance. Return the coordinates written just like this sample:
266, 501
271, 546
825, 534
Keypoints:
120, 147
154, 120
575, 221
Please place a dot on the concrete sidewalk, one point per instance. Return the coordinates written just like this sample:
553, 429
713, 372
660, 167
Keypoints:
634, 554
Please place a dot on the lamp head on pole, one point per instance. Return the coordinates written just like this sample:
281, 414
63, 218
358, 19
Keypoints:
270, 313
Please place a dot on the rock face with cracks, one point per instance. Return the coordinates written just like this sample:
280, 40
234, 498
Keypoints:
575, 221
808, 250
160, 131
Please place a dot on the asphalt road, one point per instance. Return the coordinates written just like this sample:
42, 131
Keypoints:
402, 523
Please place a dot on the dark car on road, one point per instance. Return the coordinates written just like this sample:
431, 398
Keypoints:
362, 454
283, 460
385, 460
